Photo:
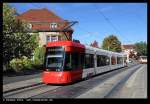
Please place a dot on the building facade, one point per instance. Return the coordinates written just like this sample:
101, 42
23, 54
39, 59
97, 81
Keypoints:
48, 25
129, 50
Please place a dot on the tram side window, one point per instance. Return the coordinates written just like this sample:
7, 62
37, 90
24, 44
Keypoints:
102, 60
122, 60
82, 60
119, 60
107, 60
89, 61
76, 60
73, 61
68, 61
99, 60
92, 60
113, 60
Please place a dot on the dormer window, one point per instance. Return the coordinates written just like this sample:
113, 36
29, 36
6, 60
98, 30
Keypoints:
53, 25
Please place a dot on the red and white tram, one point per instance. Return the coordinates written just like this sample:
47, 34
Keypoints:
68, 61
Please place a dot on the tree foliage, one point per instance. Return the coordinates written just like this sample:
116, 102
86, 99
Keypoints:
39, 55
17, 64
141, 48
111, 43
17, 40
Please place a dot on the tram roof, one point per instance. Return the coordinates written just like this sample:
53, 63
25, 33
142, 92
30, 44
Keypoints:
102, 50
64, 43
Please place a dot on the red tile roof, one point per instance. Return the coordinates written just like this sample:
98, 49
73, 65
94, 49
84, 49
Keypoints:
41, 19
42, 15
129, 46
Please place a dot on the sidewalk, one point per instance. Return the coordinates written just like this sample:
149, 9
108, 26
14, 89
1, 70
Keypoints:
11, 77
21, 84
15, 81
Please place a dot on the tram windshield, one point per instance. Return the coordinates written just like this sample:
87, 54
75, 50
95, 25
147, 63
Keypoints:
54, 58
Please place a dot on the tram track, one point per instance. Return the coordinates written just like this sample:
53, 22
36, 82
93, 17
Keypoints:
122, 81
30, 91
74, 90
20, 88
36, 90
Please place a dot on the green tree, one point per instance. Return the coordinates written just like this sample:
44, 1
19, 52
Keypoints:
141, 48
39, 55
111, 43
17, 40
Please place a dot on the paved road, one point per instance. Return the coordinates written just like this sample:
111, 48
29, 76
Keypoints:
134, 87
68, 91
77, 89
72, 91
104, 89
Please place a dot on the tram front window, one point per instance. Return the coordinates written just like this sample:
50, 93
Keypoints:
54, 63
54, 58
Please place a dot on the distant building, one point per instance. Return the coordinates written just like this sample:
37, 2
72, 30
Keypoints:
47, 24
129, 50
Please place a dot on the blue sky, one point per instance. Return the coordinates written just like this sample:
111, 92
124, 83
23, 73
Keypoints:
128, 21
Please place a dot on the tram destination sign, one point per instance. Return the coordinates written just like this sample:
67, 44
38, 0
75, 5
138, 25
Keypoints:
54, 49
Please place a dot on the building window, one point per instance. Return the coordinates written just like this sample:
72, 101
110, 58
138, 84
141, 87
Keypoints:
48, 39
53, 25
52, 38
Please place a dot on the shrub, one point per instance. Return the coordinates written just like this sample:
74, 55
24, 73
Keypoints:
20, 64
16, 64
39, 54
26, 62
